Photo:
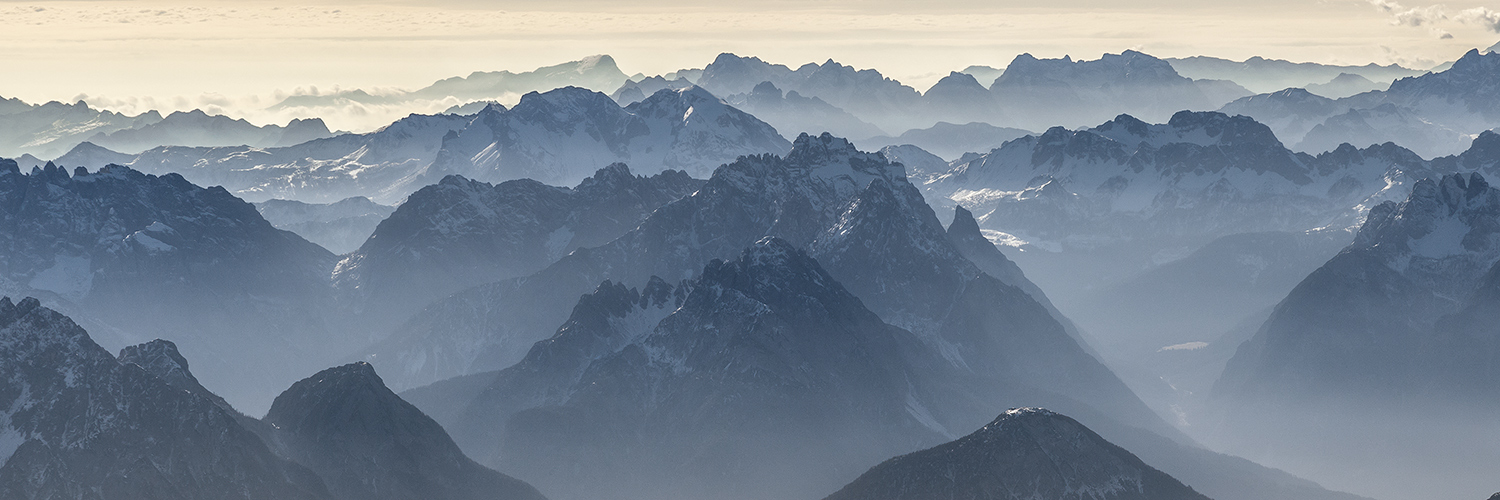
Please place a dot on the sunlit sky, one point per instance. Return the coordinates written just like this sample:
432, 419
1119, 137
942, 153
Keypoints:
138, 54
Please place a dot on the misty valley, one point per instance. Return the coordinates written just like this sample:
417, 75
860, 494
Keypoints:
1120, 278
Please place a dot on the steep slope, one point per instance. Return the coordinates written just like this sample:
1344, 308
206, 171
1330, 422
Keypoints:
1024, 453
768, 379
159, 256
367, 443
1197, 177
561, 136
341, 226
853, 211
1343, 332
961, 98
1367, 332
160, 359
79, 424
461, 233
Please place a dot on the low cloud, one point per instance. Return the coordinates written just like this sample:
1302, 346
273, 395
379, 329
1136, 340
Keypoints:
1431, 16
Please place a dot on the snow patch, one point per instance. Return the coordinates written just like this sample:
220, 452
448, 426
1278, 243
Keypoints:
70, 276
152, 245
1445, 239
557, 242
1185, 346
10, 440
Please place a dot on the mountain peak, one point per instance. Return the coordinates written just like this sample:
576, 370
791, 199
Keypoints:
770, 251
1023, 453
159, 357
1457, 216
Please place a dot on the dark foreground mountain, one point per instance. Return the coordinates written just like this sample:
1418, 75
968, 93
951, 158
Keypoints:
79, 424
161, 257
765, 382
367, 443
82, 424
1026, 453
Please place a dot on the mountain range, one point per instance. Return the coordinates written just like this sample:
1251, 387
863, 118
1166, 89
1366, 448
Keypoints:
81, 423
1431, 113
1392, 321
1269, 75
557, 137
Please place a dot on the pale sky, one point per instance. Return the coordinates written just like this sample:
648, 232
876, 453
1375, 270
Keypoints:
240, 56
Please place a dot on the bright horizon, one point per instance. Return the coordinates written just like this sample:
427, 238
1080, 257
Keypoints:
237, 59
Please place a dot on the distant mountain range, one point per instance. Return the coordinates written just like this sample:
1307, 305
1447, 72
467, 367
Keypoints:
558, 137
597, 73
1269, 75
341, 226
51, 129
1433, 113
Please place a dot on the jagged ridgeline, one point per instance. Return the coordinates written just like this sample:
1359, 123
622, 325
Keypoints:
1402, 320
155, 256
79, 423
836, 323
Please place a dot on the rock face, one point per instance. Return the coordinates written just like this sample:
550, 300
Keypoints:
161, 359
159, 256
770, 375
1350, 329
367, 443
1398, 319
462, 233
1199, 176
868, 229
79, 424
561, 136
1023, 453
853, 211
341, 226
